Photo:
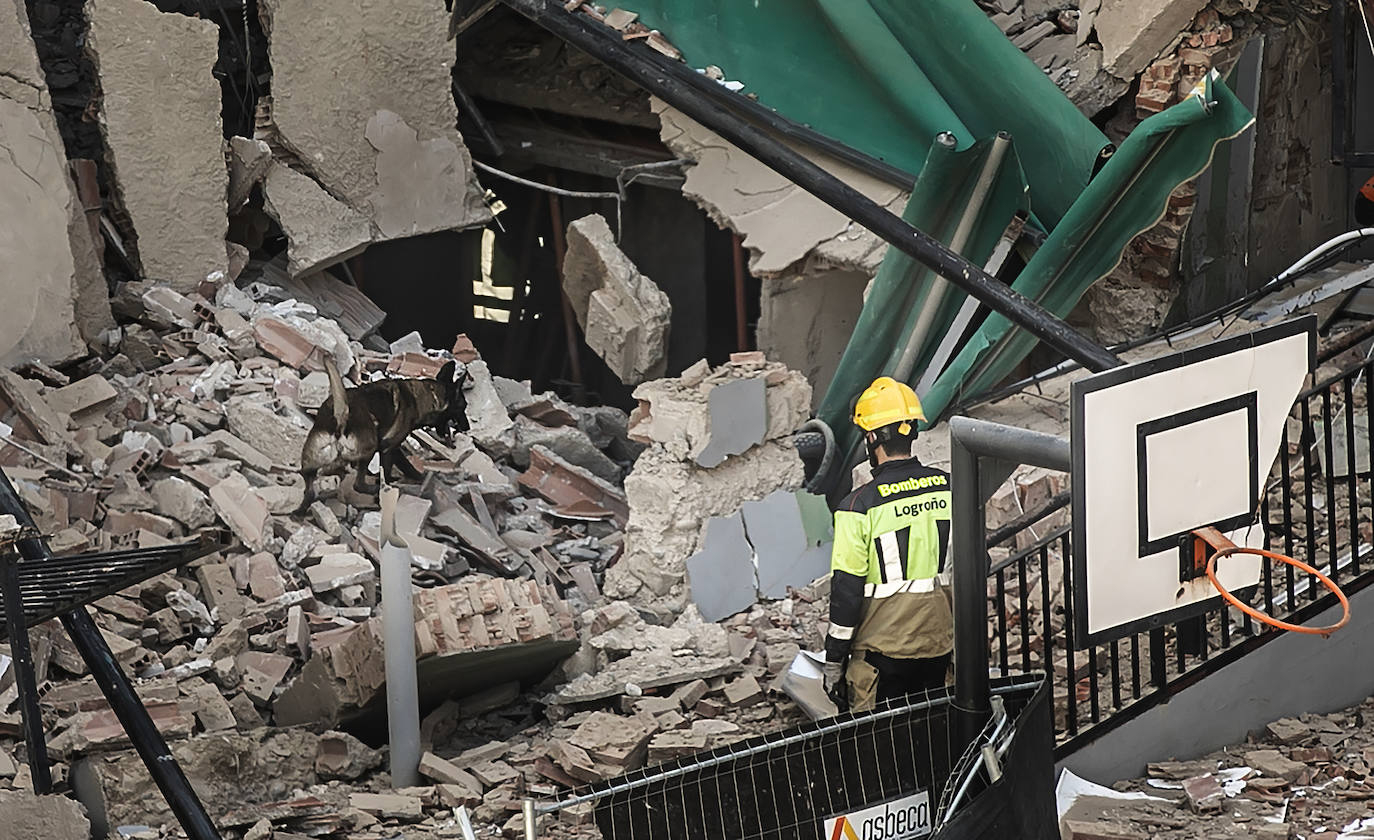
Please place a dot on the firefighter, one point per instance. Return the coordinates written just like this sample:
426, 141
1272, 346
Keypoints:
891, 619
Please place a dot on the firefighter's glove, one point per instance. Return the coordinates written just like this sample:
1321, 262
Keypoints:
833, 675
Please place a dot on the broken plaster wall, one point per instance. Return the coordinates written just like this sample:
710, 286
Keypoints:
806, 320
53, 289
672, 495
160, 117
362, 100
814, 262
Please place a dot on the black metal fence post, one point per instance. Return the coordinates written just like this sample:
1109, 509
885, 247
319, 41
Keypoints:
25, 679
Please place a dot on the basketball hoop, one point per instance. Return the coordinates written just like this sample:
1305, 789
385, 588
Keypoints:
1226, 548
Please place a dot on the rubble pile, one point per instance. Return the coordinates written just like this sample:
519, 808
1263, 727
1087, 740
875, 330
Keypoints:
1307, 777
252, 660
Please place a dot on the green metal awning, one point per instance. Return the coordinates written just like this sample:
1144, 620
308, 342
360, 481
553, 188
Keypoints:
887, 76
1126, 198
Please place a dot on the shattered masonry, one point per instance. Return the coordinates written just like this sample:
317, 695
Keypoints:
54, 292
361, 104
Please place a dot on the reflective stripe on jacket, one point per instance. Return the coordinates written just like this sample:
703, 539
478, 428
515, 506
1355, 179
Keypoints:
889, 588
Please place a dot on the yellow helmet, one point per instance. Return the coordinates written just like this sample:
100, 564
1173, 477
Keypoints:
886, 402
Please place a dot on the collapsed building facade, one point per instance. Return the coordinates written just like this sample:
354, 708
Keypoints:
617, 563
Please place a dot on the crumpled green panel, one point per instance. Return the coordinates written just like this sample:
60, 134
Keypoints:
901, 285
1127, 197
886, 76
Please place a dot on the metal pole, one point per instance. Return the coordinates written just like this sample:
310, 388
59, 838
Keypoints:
24, 678
971, 707
968, 440
939, 287
119, 692
741, 328
527, 810
649, 70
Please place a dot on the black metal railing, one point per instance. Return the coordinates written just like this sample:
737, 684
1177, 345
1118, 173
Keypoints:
1316, 507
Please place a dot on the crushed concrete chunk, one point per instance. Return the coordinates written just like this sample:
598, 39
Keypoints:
28, 815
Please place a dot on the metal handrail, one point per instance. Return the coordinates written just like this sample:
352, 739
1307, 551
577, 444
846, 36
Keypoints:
1143, 670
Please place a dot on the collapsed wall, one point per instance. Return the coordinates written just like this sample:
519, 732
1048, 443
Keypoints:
160, 117
362, 103
717, 439
55, 298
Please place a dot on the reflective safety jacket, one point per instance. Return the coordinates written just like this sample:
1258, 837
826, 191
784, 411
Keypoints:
889, 585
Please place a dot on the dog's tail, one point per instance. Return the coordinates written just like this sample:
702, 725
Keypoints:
338, 395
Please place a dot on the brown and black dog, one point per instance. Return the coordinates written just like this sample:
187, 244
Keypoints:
375, 419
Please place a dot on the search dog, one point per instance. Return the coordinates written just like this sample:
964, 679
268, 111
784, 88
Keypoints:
375, 418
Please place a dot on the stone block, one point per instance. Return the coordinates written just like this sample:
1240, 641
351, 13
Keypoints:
623, 314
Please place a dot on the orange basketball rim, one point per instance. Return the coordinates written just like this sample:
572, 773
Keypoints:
1226, 548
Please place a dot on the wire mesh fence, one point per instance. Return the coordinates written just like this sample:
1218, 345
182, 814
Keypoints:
900, 760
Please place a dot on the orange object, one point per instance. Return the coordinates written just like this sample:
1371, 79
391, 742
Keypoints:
1368, 189
1267, 619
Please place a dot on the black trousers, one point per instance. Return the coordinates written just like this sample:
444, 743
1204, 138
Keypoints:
900, 677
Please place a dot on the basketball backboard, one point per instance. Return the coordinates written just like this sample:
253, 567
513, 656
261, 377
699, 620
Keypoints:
1166, 446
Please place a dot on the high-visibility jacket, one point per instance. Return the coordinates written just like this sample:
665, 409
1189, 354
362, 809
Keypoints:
889, 585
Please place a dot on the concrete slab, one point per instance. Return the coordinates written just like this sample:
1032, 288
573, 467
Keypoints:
320, 231
54, 291
722, 573
337, 67
739, 420
160, 116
